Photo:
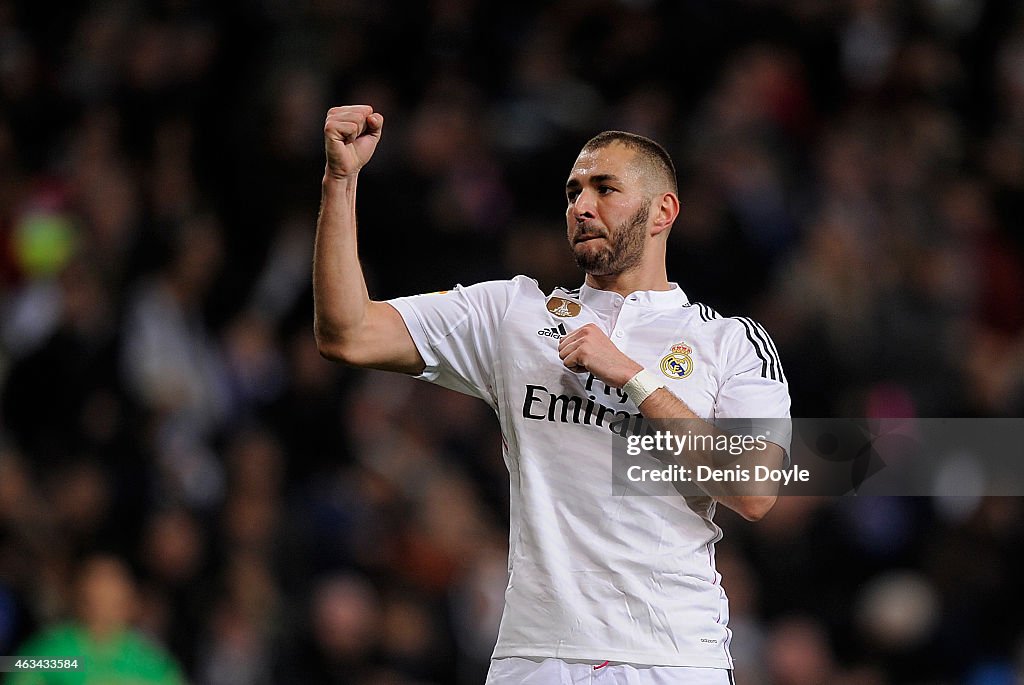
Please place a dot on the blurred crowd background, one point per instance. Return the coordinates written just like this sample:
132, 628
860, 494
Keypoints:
173, 447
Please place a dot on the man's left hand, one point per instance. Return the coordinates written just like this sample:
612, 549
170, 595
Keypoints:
588, 349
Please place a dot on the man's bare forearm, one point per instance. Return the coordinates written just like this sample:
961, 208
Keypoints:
752, 500
340, 298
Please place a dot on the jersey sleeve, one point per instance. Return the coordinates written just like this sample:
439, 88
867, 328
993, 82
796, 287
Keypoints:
754, 386
456, 333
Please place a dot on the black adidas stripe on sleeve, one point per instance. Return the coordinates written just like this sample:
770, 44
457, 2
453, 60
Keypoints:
706, 312
773, 351
759, 338
757, 348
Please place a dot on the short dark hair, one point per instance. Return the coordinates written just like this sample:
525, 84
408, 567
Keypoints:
653, 154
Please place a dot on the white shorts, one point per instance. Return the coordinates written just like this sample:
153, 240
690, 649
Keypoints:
520, 671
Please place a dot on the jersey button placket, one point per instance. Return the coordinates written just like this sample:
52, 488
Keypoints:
619, 333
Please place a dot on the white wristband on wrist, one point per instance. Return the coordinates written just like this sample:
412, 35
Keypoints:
641, 386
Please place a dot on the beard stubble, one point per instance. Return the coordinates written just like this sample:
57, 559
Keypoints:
625, 248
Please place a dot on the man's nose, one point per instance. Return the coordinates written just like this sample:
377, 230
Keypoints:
583, 207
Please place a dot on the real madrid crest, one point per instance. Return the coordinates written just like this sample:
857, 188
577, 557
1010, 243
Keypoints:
559, 306
678, 363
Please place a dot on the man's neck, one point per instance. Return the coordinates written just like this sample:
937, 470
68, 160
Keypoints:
630, 282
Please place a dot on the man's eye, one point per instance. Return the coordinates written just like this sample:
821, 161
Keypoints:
571, 197
604, 190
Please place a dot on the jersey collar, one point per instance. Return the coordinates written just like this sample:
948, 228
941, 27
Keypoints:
651, 299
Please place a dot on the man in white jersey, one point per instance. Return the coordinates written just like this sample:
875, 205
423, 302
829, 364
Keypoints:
603, 586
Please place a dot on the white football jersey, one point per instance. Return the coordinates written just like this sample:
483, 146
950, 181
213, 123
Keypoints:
594, 574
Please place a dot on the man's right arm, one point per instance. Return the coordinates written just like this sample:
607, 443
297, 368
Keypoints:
349, 327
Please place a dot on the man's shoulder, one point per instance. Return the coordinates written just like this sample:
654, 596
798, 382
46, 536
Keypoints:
501, 294
729, 332
709, 318
492, 289
709, 322
739, 339
518, 283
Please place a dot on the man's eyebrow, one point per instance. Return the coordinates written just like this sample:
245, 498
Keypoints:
596, 178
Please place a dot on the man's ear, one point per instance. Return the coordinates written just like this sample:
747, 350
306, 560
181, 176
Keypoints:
665, 209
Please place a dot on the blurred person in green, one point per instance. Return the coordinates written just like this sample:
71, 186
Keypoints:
108, 649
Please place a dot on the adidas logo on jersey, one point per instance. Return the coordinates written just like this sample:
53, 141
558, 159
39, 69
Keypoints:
555, 332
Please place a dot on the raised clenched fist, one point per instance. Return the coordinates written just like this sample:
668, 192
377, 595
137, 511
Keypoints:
351, 134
